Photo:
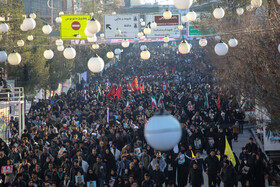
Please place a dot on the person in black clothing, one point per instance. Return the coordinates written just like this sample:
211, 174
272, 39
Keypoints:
228, 174
148, 182
158, 176
196, 177
251, 147
212, 164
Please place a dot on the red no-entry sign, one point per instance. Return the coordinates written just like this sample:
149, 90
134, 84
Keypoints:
76, 25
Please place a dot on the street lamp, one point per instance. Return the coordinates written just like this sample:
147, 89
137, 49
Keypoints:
125, 43
145, 54
221, 48
14, 58
233, 42
95, 64
191, 16
69, 53
184, 47
93, 26
183, 4
219, 13
20, 43
202, 42
48, 54
110, 54
167, 14
47, 29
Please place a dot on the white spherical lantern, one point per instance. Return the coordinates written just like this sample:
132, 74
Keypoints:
93, 26
183, 4
3, 56
166, 39
95, 46
221, 49
249, 8
163, 132
140, 34
218, 38
95, 64
191, 16
59, 42
88, 34
147, 31
20, 43
202, 42
91, 14
58, 19
143, 47
14, 58
30, 37
60, 48
110, 54
141, 19
61, 13
167, 14
180, 27
125, 43
153, 25
143, 23
33, 15
184, 47
99, 11
69, 53
118, 32
117, 51
102, 35
29, 23
233, 42
219, 13
23, 28
145, 54
92, 39
184, 19
48, 54
239, 11
47, 29
256, 3
4, 27
114, 13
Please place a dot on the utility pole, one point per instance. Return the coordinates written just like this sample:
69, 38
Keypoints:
52, 13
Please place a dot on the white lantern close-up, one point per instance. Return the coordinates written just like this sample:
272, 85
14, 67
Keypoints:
143, 23
202, 42
163, 132
60, 47
180, 27
93, 26
233, 42
95, 64
184, 47
29, 23
143, 47
47, 29
153, 25
33, 15
110, 54
117, 51
221, 49
69, 53
23, 28
20, 43
183, 4
30, 37
59, 42
61, 13
3, 56
256, 3
219, 13
14, 58
145, 54
118, 32
92, 39
4, 27
184, 19
239, 11
279, 48
95, 46
58, 19
125, 43
147, 31
88, 34
167, 14
48, 54
191, 16
140, 34
166, 39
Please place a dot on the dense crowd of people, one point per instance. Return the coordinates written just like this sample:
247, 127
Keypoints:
86, 137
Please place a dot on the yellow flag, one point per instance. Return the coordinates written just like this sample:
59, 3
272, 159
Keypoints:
192, 154
229, 153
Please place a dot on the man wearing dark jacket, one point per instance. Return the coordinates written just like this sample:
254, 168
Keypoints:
196, 176
148, 182
251, 147
228, 174
212, 164
158, 176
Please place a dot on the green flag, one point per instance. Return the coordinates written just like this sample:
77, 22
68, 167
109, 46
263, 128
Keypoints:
97, 97
206, 101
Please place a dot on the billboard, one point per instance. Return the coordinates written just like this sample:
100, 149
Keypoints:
165, 27
73, 25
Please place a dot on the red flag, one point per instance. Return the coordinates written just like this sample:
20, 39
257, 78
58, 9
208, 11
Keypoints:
219, 101
173, 70
145, 120
134, 84
119, 92
141, 88
129, 87
165, 73
112, 92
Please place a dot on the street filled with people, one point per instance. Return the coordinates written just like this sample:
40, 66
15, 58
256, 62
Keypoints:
93, 135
